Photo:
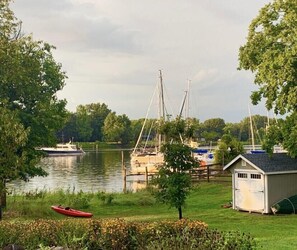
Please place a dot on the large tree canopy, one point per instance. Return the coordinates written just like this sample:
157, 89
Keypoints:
271, 53
29, 81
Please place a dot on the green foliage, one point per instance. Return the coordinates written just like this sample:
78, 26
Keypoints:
173, 179
229, 148
29, 80
271, 53
80, 200
117, 128
98, 113
13, 138
289, 133
120, 234
83, 123
105, 198
178, 130
272, 137
86, 123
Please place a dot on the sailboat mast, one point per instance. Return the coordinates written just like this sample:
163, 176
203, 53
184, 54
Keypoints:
161, 98
183, 105
161, 107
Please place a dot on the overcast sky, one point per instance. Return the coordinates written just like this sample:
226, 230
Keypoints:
112, 51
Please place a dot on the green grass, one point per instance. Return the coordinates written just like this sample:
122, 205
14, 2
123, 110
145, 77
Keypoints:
204, 203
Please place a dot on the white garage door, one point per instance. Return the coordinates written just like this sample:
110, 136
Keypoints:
249, 191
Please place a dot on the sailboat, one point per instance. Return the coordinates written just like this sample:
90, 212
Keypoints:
144, 159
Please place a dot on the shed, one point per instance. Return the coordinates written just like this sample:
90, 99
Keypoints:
260, 180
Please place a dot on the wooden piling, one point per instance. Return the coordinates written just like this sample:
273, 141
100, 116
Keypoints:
146, 176
123, 160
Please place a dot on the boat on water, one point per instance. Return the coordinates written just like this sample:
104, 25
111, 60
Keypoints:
285, 206
71, 212
62, 149
204, 156
142, 162
148, 159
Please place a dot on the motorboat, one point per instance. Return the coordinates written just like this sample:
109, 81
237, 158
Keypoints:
62, 149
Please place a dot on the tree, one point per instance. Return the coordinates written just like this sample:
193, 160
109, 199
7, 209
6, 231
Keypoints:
271, 53
213, 129
29, 80
117, 128
97, 112
233, 129
228, 148
83, 123
178, 130
69, 131
173, 179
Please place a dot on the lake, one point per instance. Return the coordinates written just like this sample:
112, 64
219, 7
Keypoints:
92, 172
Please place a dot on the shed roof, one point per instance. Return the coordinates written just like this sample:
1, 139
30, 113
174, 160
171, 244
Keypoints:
276, 163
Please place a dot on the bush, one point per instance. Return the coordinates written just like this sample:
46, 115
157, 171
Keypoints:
120, 234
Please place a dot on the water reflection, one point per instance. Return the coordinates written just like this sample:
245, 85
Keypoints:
92, 172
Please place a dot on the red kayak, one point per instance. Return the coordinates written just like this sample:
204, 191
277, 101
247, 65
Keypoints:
71, 212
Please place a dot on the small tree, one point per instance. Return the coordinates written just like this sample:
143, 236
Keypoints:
229, 148
173, 180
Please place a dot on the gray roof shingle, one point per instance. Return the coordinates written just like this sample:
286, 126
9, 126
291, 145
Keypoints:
280, 162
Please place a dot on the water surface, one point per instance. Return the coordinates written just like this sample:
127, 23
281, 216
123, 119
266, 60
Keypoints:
92, 172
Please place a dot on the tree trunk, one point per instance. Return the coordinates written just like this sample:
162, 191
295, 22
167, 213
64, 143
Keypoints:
2, 194
2, 197
180, 214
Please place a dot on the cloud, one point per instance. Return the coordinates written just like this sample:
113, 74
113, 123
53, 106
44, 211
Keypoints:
76, 26
112, 51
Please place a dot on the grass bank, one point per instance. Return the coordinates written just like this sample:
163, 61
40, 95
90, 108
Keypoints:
204, 204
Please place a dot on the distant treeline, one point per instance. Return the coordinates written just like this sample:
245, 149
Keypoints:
96, 122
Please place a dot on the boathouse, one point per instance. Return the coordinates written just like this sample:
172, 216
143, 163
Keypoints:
260, 180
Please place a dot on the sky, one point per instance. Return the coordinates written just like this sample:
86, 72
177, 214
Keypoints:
112, 51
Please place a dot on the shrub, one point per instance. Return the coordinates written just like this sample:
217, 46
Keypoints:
120, 234
105, 198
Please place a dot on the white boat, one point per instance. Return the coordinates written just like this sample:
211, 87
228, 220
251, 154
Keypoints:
146, 161
204, 156
62, 149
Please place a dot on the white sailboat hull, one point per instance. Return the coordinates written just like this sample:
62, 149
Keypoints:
142, 162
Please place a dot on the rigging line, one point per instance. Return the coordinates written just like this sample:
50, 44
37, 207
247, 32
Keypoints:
149, 134
144, 123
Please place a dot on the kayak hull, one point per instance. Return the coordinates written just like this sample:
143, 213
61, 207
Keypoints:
71, 212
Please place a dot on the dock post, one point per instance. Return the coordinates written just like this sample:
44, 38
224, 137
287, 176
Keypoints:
125, 179
123, 162
146, 177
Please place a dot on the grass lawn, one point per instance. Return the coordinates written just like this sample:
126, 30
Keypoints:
204, 203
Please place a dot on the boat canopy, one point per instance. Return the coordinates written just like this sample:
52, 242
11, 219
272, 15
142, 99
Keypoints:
200, 151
